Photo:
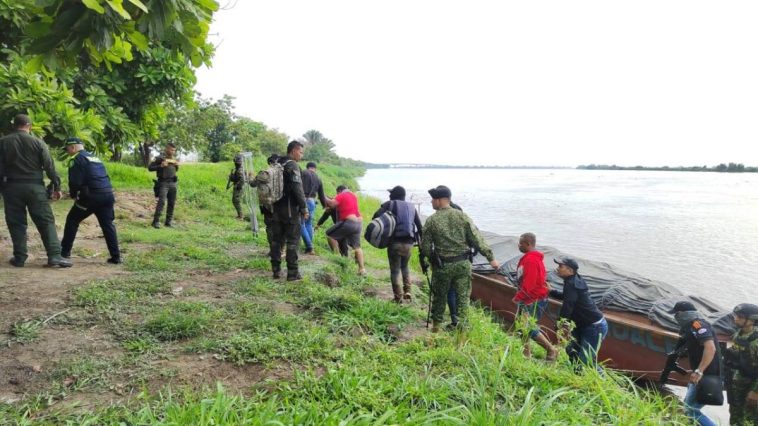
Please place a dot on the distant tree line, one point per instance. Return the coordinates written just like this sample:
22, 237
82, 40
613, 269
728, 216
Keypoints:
722, 168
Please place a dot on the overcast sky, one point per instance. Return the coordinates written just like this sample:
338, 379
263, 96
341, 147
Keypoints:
499, 83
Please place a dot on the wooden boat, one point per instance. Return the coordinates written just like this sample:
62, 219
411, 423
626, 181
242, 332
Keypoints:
634, 345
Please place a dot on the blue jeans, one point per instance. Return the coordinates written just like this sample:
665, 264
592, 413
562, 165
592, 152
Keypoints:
692, 408
586, 343
535, 310
306, 228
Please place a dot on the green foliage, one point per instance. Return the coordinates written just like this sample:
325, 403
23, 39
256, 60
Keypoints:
100, 70
179, 321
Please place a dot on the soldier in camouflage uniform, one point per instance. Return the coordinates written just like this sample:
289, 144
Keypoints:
742, 358
449, 235
237, 179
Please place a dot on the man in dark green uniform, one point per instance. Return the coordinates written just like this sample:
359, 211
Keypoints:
23, 158
237, 179
285, 223
449, 236
165, 167
742, 359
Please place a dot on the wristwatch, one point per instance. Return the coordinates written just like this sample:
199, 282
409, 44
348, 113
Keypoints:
698, 372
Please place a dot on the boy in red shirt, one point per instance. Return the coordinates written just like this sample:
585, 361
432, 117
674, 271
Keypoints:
349, 225
531, 297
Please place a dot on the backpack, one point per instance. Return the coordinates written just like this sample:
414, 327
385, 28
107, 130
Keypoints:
270, 184
379, 231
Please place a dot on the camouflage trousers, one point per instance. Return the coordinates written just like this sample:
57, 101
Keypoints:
458, 276
741, 411
237, 200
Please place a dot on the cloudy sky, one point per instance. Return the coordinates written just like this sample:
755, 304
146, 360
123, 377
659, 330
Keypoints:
498, 83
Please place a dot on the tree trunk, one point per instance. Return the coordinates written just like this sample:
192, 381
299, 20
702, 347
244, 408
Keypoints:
116, 153
144, 151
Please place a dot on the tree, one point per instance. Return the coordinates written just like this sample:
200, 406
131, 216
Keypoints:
113, 63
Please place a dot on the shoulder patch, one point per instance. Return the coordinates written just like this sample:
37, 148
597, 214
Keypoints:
696, 325
702, 331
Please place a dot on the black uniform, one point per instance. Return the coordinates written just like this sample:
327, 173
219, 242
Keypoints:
90, 188
166, 188
285, 223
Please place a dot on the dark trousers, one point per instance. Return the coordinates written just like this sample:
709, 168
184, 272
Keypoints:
166, 191
20, 197
101, 205
398, 255
289, 233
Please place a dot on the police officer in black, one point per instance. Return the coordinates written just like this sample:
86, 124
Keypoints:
703, 353
165, 166
90, 188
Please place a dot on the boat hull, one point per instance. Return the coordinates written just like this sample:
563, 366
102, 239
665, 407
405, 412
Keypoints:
634, 344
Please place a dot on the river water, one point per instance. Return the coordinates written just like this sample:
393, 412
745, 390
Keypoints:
696, 231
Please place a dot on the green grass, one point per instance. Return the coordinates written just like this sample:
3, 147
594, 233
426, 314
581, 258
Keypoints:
347, 355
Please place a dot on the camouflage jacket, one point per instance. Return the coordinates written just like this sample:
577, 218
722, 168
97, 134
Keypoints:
452, 233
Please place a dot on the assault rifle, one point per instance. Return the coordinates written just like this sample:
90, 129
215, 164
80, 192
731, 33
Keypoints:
671, 361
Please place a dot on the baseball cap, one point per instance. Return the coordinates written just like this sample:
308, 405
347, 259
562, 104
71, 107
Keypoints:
565, 260
683, 306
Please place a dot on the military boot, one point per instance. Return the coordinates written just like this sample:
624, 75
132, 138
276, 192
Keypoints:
59, 262
156, 224
436, 326
407, 291
398, 293
294, 275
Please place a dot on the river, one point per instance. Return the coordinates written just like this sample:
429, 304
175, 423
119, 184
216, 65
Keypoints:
696, 231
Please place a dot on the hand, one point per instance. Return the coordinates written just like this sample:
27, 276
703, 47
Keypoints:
57, 195
495, 265
164, 163
306, 215
695, 378
752, 398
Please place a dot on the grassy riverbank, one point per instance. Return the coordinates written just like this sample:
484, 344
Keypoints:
192, 330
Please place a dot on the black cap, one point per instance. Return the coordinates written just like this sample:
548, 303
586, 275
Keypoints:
21, 120
440, 192
683, 306
310, 165
72, 141
397, 193
565, 260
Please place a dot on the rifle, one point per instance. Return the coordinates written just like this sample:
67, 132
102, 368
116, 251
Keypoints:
425, 269
230, 180
671, 361
731, 362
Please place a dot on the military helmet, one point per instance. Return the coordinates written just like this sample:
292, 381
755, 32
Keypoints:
238, 158
747, 310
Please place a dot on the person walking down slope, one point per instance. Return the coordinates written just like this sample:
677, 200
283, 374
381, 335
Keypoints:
349, 226
90, 188
165, 167
312, 188
449, 236
408, 230
23, 159
531, 297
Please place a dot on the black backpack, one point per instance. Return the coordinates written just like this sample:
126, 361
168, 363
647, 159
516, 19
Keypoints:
379, 231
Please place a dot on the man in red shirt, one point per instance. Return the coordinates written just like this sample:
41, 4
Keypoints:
531, 297
348, 227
